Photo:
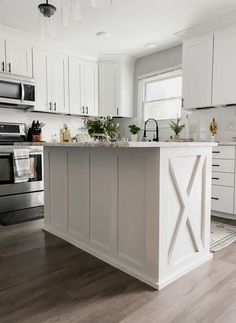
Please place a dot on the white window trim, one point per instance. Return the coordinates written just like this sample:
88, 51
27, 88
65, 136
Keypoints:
146, 78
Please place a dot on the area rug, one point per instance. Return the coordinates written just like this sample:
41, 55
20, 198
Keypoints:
26, 215
222, 235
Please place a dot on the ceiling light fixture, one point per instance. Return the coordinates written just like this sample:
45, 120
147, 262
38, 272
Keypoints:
47, 19
70, 9
47, 9
103, 34
102, 3
151, 45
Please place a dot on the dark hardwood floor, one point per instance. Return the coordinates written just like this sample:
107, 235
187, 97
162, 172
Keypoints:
44, 279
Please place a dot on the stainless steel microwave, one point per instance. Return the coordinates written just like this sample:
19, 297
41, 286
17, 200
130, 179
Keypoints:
17, 93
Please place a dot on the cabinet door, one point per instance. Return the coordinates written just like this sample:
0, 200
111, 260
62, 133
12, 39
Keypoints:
58, 77
90, 85
43, 89
109, 89
2, 55
197, 72
18, 58
75, 86
224, 66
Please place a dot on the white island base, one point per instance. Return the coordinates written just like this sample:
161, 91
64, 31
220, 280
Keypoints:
144, 210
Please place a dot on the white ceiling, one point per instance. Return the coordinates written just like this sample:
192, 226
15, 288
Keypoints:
132, 23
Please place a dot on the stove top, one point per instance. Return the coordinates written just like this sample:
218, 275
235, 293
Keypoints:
11, 133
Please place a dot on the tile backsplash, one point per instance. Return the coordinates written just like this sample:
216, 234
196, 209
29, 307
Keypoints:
53, 122
199, 121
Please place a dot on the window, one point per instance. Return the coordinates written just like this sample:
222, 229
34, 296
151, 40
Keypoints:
162, 96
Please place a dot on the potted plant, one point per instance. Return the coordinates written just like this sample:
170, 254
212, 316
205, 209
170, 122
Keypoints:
177, 128
134, 132
102, 128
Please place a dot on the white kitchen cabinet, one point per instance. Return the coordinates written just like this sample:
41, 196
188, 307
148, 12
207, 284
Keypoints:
83, 87
223, 181
197, 71
51, 80
90, 88
16, 58
224, 66
116, 84
2, 55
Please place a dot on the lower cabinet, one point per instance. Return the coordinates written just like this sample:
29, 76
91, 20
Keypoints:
223, 180
223, 199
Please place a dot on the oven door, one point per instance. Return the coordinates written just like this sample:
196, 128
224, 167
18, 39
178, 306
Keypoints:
6, 169
36, 167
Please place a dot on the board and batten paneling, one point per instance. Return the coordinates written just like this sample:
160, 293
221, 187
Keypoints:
133, 208
78, 194
103, 199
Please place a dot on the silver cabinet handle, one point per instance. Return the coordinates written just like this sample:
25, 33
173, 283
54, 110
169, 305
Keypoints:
82, 109
50, 106
215, 178
216, 165
117, 111
55, 106
216, 152
22, 92
215, 198
182, 102
9, 66
3, 67
87, 110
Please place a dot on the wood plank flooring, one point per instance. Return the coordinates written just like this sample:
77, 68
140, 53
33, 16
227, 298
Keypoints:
45, 280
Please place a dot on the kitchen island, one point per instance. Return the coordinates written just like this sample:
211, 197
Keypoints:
141, 207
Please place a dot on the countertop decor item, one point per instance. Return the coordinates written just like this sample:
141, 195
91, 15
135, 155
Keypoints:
102, 128
65, 134
35, 131
134, 132
213, 129
176, 127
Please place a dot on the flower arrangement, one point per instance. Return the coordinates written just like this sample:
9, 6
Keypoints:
102, 128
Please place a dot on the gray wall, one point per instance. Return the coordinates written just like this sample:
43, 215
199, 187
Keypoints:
149, 64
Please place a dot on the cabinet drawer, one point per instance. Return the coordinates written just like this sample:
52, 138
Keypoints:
222, 199
223, 179
223, 165
224, 152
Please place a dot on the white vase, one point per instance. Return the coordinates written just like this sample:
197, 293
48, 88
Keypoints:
134, 138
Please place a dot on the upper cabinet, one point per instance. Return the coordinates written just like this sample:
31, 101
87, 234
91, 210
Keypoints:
224, 66
51, 81
83, 87
209, 67
16, 58
116, 86
197, 71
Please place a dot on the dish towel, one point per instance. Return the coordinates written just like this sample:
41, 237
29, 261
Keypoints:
21, 165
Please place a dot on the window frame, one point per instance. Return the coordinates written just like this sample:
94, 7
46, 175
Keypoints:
148, 78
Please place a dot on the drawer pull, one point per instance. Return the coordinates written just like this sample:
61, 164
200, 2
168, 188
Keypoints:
215, 165
216, 152
215, 198
216, 178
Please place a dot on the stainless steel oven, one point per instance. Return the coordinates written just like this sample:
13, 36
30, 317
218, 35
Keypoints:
16, 93
17, 196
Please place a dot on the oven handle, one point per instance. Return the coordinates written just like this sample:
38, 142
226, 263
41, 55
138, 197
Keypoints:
5, 154
22, 92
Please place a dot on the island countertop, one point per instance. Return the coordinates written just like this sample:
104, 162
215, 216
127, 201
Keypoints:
120, 144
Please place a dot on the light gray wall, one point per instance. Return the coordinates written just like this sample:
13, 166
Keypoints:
149, 64
158, 61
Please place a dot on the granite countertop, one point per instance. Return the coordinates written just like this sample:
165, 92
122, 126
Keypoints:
226, 143
120, 144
